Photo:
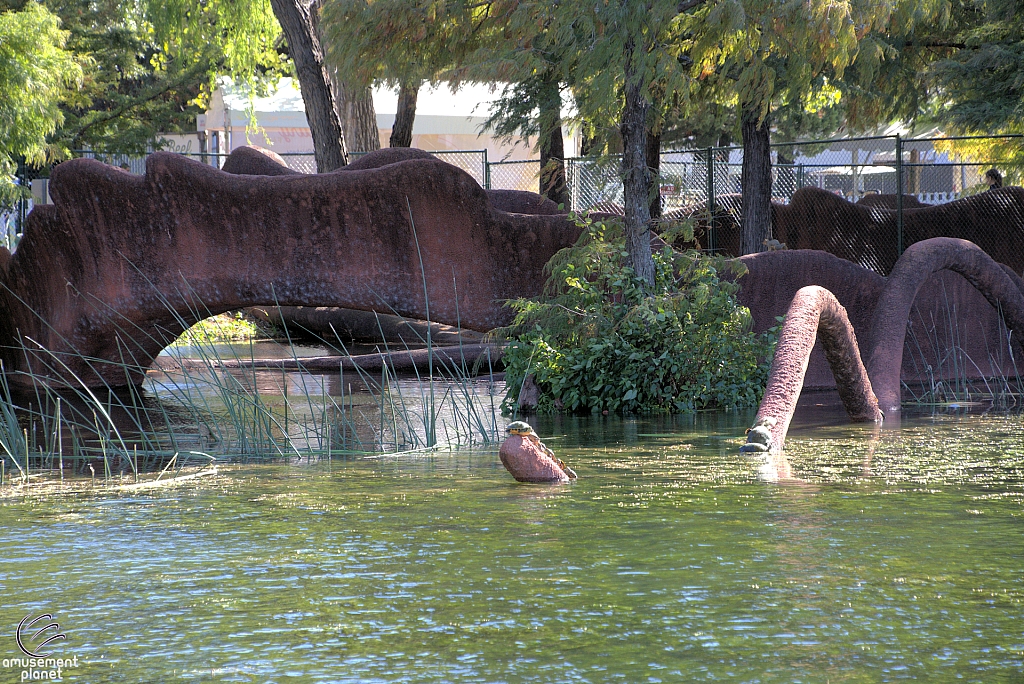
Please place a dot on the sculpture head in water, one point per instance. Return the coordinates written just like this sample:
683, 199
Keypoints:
526, 457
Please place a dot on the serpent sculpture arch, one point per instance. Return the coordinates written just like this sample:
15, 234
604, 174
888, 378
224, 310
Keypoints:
815, 310
920, 260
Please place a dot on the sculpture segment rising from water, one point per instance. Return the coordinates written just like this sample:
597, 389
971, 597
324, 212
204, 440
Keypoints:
815, 312
921, 260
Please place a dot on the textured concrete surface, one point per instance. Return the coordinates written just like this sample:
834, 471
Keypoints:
527, 461
866, 235
257, 161
866, 232
814, 314
250, 160
522, 202
119, 265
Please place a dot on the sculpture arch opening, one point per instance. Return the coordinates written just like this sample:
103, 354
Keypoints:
889, 322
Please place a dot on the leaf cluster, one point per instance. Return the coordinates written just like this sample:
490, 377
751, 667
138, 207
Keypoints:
158, 61
145, 67
36, 74
599, 339
981, 83
403, 41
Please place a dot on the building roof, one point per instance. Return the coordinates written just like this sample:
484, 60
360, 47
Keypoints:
438, 110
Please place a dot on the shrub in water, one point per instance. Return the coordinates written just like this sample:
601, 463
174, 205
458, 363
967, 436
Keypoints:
600, 339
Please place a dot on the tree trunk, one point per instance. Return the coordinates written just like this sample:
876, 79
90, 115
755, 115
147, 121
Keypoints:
636, 177
654, 164
298, 20
358, 118
756, 182
401, 132
552, 151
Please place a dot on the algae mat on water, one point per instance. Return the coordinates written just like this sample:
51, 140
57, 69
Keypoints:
672, 559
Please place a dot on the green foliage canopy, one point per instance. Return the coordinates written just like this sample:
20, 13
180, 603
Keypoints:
600, 339
157, 61
36, 72
981, 80
399, 41
149, 67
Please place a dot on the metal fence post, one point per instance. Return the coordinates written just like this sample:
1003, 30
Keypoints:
487, 172
899, 195
711, 199
22, 177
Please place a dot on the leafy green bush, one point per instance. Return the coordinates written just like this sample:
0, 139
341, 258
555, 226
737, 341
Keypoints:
598, 340
225, 327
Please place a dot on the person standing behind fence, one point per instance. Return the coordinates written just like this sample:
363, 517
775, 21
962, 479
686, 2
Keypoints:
994, 179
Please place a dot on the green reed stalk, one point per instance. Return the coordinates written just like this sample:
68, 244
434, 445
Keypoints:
431, 429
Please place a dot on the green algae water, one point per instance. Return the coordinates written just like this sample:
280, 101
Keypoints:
864, 556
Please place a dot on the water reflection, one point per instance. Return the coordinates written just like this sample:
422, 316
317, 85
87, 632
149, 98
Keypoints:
671, 558
674, 553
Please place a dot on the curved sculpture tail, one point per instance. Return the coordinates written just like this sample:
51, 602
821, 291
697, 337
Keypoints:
814, 313
1001, 287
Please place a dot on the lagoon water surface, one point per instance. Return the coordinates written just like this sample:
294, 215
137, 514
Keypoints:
888, 557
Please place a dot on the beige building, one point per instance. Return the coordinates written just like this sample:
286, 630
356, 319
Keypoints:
440, 123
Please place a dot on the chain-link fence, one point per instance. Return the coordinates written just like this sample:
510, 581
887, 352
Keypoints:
514, 175
593, 183
864, 199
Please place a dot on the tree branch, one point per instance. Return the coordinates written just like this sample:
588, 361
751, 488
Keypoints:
158, 90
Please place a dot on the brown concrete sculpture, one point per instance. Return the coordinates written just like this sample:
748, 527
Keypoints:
333, 325
816, 219
889, 322
866, 232
119, 265
947, 301
891, 202
814, 314
528, 460
328, 321
386, 156
523, 202
814, 311
250, 160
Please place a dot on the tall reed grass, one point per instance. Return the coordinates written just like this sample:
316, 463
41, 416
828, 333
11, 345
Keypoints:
194, 406
951, 375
